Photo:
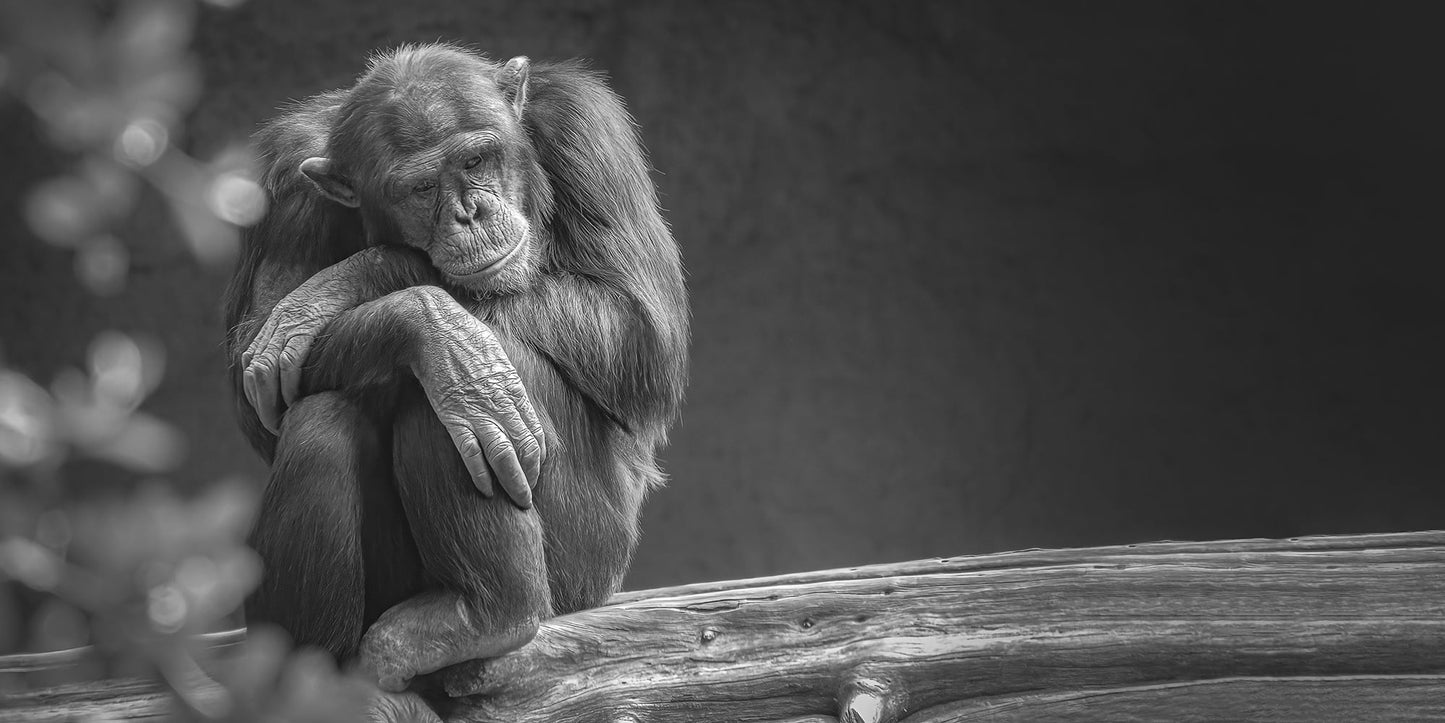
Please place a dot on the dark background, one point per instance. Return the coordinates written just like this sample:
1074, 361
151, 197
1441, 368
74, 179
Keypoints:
965, 277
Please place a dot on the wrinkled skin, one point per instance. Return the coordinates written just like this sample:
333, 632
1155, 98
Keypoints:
459, 199
477, 394
457, 286
479, 398
400, 708
273, 361
471, 384
390, 654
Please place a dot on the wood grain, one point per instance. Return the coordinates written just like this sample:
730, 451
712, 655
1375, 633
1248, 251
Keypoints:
1279, 700
1325, 628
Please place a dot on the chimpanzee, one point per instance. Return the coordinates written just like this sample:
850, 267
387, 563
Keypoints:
463, 282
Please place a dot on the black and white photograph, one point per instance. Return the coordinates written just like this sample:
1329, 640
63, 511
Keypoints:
815, 361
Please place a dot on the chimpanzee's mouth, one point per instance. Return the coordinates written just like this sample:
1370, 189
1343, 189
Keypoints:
487, 269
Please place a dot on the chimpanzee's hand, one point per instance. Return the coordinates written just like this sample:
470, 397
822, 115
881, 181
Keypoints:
273, 362
475, 391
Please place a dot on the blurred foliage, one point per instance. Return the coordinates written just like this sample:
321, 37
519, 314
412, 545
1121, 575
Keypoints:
135, 573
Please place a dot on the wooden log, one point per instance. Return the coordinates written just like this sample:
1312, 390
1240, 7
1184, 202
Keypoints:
24, 663
1326, 628
1279, 700
105, 700
968, 628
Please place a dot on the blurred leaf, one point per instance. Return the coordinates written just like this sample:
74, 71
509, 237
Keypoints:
236, 198
305, 688
27, 421
30, 563
111, 84
125, 369
142, 142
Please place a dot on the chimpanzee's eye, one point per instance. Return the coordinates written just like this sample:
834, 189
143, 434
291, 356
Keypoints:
423, 187
474, 162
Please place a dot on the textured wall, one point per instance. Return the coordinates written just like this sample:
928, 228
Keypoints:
964, 277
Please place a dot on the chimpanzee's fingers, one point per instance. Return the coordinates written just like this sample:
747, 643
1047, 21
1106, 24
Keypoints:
268, 394
255, 394
529, 453
248, 385
471, 450
522, 439
539, 433
261, 340
250, 353
293, 357
503, 458
265, 409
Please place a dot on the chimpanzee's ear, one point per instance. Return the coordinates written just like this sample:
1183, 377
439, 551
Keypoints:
513, 81
331, 184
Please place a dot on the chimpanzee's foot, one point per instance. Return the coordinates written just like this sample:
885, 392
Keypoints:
430, 632
400, 708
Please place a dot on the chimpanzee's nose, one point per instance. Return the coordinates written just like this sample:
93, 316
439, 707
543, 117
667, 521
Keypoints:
466, 211
473, 208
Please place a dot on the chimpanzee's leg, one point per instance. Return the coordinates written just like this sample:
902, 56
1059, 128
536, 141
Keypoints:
483, 558
308, 531
393, 568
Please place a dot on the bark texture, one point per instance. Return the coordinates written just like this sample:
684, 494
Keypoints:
1323, 628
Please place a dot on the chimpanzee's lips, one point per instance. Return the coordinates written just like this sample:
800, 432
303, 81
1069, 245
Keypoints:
488, 268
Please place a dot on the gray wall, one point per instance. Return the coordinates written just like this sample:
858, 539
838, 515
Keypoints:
965, 278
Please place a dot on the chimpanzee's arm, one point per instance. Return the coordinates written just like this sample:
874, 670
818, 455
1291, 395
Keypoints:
272, 360
460, 363
300, 234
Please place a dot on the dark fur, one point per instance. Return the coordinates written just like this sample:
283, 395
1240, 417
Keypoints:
368, 502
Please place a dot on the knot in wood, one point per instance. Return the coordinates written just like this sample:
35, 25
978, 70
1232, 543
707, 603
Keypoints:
709, 635
867, 700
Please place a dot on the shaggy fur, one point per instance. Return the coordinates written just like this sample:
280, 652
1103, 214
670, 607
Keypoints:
368, 503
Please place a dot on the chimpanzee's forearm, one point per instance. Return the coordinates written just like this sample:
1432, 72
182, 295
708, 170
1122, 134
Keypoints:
461, 365
366, 349
393, 268
370, 274
364, 276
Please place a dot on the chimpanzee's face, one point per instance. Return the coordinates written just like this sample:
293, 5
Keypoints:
461, 201
441, 165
